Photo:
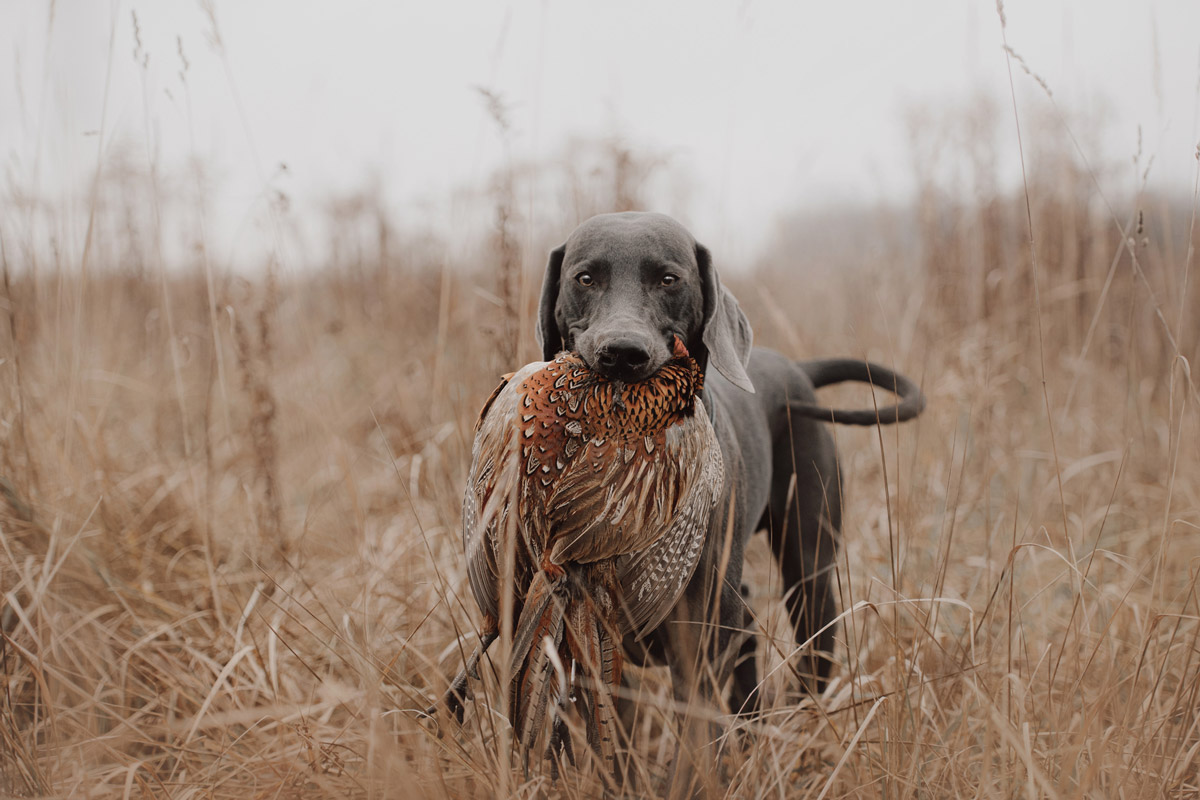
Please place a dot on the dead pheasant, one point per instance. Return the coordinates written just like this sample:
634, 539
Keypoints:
602, 491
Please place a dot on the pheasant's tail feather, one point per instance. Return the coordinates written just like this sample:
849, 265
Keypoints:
602, 732
537, 600
533, 668
597, 653
559, 747
554, 610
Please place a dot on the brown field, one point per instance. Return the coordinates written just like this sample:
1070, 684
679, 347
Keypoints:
231, 560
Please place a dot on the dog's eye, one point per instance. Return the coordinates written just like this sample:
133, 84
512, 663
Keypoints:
669, 279
584, 279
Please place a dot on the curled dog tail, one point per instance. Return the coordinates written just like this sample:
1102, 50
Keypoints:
827, 371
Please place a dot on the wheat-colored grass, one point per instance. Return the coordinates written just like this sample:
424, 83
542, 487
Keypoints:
230, 561
246, 587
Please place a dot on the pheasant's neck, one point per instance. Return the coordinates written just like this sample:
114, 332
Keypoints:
641, 409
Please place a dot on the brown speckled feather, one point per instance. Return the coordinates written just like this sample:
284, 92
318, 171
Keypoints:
607, 490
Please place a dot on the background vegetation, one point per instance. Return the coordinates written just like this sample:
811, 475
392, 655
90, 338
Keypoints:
230, 557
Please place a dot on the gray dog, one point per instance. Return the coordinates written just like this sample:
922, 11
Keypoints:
618, 292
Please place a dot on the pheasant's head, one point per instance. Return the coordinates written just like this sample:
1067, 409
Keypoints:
567, 389
653, 404
689, 378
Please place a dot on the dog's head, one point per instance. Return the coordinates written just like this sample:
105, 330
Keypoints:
624, 285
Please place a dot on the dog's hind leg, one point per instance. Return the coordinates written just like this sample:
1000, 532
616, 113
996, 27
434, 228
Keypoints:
803, 521
744, 694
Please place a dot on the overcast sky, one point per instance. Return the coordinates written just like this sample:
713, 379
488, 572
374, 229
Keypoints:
766, 106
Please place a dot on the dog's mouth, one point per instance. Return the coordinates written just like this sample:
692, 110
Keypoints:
627, 361
625, 373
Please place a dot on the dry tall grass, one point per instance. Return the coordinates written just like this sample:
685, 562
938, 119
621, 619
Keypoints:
231, 562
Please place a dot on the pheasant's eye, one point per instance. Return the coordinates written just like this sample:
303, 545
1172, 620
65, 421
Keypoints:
669, 279
584, 279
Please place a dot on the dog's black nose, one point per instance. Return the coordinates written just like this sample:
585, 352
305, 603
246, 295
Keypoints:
622, 357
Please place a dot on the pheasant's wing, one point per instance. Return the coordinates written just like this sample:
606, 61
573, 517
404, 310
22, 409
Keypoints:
613, 499
492, 484
652, 579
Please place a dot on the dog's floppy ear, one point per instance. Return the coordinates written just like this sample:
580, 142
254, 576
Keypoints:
726, 335
548, 336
